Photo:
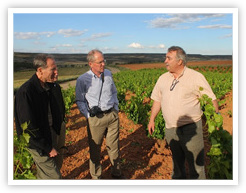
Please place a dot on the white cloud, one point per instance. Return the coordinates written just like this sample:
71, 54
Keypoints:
165, 22
139, 46
175, 20
109, 49
32, 35
71, 32
161, 46
97, 36
39, 43
47, 34
135, 45
226, 36
218, 26
26, 35
38, 35
64, 45
60, 47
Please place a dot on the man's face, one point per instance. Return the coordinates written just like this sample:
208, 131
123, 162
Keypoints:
171, 61
50, 73
97, 66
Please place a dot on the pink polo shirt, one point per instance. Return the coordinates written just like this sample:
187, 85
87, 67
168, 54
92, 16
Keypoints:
181, 105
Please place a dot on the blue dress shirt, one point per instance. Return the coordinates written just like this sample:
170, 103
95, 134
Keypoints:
88, 87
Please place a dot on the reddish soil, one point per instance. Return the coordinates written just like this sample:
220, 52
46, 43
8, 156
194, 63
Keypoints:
226, 111
142, 157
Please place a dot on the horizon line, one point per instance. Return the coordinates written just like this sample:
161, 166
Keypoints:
121, 53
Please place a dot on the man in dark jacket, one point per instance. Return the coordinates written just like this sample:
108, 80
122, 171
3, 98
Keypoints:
39, 102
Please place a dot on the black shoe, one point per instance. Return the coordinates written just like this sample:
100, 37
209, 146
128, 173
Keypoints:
118, 177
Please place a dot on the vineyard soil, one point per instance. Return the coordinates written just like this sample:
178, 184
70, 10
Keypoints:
142, 157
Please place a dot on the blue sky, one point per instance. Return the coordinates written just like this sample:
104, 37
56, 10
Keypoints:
152, 32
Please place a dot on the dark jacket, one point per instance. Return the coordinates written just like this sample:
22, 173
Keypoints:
31, 105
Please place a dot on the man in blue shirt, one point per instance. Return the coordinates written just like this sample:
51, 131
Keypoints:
96, 97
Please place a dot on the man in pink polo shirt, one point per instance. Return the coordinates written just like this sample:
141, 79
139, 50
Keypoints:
176, 93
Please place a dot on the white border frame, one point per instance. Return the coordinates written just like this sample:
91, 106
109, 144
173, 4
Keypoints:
12, 11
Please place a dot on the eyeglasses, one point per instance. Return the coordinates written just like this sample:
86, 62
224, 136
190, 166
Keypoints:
173, 84
103, 61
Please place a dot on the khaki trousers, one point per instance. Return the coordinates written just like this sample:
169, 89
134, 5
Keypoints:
99, 126
47, 167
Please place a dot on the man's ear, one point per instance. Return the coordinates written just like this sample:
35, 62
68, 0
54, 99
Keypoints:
90, 64
180, 62
40, 70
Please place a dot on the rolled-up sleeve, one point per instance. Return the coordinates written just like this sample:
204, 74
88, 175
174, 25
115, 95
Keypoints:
206, 87
156, 93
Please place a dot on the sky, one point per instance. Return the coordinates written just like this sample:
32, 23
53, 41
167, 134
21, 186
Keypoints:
112, 32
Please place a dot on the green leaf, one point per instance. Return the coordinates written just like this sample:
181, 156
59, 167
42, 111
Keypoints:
201, 88
24, 125
209, 108
211, 127
218, 120
214, 151
26, 137
214, 142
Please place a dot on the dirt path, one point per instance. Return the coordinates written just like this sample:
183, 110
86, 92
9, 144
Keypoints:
65, 85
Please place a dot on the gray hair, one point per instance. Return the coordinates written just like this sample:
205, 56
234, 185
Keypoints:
41, 60
180, 53
91, 55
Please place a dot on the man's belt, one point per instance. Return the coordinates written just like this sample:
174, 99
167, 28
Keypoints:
107, 111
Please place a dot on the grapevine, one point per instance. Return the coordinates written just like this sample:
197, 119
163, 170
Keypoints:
69, 98
220, 153
23, 161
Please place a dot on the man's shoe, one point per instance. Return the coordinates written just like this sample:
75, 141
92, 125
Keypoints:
118, 177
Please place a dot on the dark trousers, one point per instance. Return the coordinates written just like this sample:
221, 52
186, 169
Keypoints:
186, 143
47, 167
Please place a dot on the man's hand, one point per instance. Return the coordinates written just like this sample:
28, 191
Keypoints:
154, 111
53, 153
151, 127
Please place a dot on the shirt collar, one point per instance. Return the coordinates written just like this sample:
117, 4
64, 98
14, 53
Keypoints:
93, 74
180, 74
37, 83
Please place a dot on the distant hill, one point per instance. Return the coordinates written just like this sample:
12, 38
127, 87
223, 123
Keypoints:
24, 60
